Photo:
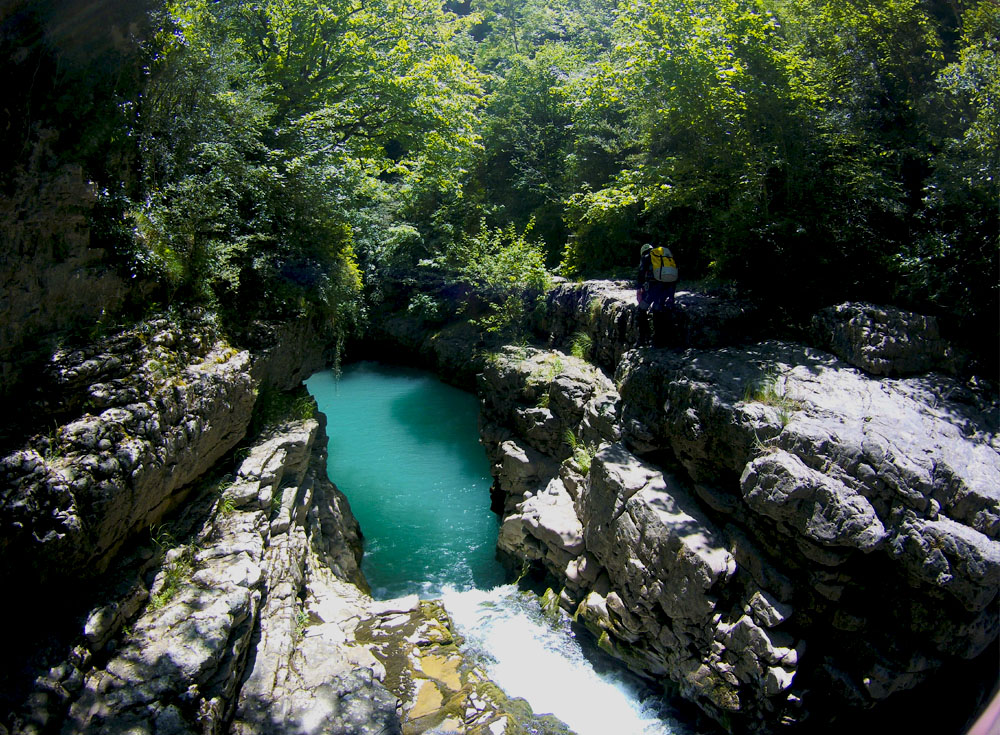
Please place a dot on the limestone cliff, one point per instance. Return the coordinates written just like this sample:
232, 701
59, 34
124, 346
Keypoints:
52, 278
785, 539
189, 567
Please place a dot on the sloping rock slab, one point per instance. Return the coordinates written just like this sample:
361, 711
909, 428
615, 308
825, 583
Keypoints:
248, 624
884, 340
607, 312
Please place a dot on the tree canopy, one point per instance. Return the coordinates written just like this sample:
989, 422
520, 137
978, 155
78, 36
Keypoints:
277, 156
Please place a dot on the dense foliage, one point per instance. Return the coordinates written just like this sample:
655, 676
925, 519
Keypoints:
268, 130
809, 150
271, 157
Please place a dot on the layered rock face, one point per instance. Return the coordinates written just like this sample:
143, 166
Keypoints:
606, 312
265, 567
155, 407
883, 340
783, 537
179, 586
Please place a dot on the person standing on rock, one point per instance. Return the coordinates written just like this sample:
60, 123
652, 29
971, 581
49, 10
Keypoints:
657, 284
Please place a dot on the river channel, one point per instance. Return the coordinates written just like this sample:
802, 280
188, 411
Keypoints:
404, 448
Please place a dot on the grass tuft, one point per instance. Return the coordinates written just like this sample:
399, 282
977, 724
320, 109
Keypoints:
581, 345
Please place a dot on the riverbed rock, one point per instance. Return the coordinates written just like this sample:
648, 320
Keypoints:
441, 690
676, 602
607, 313
544, 394
884, 340
545, 528
542, 413
891, 484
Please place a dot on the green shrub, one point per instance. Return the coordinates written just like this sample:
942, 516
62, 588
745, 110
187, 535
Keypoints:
175, 573
274, 407
766, 390
581, 345
504, 268
583, 454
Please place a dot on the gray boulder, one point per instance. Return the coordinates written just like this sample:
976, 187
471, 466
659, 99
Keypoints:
884, 340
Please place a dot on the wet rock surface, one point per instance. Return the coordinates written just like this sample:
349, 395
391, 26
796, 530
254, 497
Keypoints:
441, 690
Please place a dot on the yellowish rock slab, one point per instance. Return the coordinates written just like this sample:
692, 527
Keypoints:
429, 700
444, 669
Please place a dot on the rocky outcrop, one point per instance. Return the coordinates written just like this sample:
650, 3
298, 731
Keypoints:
161, 407
248, 615
543, 415
736, 517
247, 612
134, 420
286, 353
731, 515
607, 313
884, 340
423, 320
440, 690
251, 593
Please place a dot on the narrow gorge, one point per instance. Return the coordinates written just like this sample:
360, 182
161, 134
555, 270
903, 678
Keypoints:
387, 367
726, 516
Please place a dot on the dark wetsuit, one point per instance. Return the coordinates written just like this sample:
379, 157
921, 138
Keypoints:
656, 303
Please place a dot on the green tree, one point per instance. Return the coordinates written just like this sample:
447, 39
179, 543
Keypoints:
505, 270
534, 53
269, 128
953, 261
528, 134
715, 104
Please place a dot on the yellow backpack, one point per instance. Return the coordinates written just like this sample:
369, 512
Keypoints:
664, 267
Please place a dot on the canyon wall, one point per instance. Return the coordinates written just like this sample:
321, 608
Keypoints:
781, 537
181, 562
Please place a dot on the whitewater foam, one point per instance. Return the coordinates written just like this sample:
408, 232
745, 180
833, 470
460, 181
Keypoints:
539, 658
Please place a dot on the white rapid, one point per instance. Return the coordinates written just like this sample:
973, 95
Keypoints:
532, 656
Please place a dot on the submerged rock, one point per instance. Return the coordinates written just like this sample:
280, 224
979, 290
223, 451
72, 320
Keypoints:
441, 690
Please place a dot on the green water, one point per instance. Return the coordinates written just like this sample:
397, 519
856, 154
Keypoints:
404, 449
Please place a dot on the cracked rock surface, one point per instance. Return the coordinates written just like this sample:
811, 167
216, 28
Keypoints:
735, 517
